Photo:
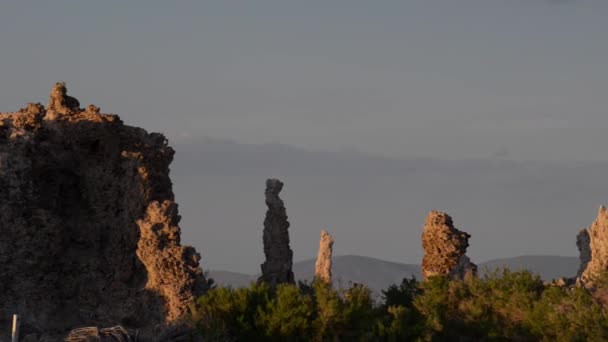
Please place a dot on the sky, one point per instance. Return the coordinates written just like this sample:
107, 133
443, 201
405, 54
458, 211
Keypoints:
516, 80
524, 79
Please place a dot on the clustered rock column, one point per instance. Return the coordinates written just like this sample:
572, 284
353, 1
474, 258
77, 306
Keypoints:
444, 248
277, 268
323, 264
593, 247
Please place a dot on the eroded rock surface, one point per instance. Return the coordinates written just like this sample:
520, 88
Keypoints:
596, 254
277, 268
444, 248
89, 226
323, 264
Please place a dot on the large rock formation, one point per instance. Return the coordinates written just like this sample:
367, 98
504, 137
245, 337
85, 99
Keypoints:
445, 248
279, 257
89, 226
594, 248
323, 264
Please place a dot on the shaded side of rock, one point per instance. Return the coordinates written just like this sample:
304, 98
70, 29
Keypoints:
583, 242
323, 263
444, 248
277, 268
464, 268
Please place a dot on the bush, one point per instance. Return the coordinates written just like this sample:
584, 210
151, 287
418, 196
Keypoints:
501, 306
287, 316
231, 314
569, 314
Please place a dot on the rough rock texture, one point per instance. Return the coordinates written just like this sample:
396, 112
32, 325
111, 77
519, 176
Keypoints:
323, 264
60, 102
583, 243
89, 226
277, 268
598, 246
444, 248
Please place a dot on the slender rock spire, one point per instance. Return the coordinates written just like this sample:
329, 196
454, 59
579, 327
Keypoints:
277, 268
323, 264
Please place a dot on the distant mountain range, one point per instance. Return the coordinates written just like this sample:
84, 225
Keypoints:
377, 206
379, 274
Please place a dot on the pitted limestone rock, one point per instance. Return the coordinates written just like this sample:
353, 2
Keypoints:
444, 248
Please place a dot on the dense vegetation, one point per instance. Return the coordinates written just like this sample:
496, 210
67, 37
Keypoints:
503, 306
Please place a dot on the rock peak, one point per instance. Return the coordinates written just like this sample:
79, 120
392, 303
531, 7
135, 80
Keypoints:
445, 248
60, 101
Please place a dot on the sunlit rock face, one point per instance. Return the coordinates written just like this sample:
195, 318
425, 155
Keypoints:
593, 247
323, 263
277, 268
444, 248
89, 226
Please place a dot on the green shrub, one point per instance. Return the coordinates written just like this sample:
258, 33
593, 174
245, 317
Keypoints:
287, 316
400, 320
329, 320
501, 306
225, 313
569, 314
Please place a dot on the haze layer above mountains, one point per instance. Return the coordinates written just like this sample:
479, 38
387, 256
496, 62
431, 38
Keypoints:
380, 274
375, 206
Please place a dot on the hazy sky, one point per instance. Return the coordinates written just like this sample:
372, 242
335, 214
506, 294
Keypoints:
520, 79
516, 80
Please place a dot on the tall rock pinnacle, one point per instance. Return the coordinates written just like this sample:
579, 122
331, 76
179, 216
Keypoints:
277, 268
594, 248
445, 248
323, 264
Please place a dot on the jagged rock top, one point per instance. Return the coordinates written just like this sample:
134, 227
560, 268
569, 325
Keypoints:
89, 231
445, 248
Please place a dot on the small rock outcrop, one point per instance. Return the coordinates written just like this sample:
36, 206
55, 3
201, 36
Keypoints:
594, 248
60, 101
323, 264
277, 268
89, 226
444, 248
